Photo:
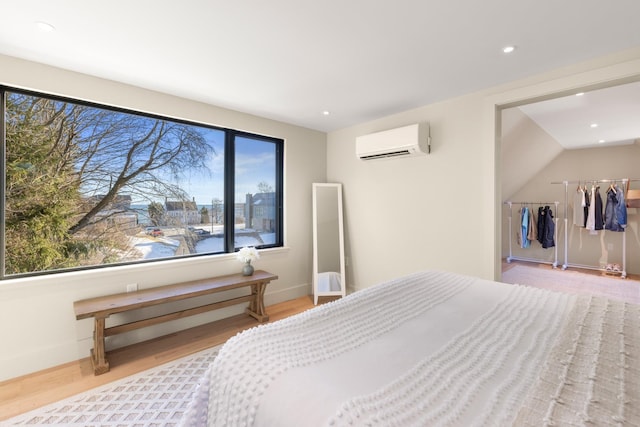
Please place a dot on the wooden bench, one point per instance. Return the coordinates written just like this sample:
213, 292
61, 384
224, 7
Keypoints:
101, 308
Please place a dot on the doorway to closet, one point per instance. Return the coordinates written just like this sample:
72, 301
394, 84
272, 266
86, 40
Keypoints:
588, 139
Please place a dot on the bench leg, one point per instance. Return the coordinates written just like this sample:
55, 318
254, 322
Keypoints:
98, 355
256, 306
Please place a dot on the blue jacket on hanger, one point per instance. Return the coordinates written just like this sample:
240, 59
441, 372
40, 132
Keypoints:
621, 208
611, 211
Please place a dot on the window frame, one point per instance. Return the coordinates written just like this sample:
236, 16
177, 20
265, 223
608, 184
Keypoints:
228, 182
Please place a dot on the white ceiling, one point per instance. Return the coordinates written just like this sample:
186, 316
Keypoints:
290, 60
570, 120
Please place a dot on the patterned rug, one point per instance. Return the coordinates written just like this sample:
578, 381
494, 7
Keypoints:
155, 397
573, 281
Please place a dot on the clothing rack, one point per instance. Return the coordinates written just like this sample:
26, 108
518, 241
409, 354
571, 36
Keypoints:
555, 234
623, 181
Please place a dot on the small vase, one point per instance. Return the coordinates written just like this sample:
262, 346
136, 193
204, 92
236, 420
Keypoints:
247, 269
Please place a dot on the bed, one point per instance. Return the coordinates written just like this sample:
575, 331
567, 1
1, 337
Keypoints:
432, 348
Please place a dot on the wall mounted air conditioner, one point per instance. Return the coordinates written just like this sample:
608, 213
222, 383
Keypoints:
407, 141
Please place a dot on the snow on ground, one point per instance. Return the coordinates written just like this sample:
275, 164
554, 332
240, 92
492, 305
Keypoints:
216, 244
165, 247
211, 244
150, 248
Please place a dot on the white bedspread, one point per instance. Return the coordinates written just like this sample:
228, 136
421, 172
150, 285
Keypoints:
431, 349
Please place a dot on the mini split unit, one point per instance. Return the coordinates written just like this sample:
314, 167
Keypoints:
407, 141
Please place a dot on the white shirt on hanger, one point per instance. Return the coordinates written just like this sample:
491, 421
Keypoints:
578, 207
591, 218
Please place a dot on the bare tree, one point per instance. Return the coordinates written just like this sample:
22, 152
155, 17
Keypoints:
264, 187
68, 166
217, 206
124, 153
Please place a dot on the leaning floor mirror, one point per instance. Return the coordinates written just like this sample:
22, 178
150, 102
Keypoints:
328, 242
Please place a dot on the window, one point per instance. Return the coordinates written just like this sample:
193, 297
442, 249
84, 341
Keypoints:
89, 186
255, 190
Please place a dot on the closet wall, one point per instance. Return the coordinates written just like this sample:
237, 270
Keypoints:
584, 248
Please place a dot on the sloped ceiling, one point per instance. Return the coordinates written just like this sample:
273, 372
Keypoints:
601, 117
525, 150
535, 134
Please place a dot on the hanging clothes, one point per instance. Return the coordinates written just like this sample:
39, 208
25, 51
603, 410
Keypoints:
578, 207
533, 231
586, 203
599, 218
595, 220
549, 229
591, 215
524, 227
610, 217
621, 207
615, 213
541, 216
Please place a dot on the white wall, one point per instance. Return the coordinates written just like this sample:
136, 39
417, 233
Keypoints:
37, 324
443, 211
407, 214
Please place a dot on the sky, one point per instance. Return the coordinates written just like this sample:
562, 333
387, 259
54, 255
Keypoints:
255, 163
255, 158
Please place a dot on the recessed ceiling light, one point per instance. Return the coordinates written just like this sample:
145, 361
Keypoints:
594, 125
508, 49
325, 113
45, 26
579, 93
602, 141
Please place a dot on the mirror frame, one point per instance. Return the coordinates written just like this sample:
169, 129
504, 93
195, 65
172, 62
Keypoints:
343, 282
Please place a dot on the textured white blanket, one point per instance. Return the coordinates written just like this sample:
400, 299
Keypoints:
592, 376
429, 349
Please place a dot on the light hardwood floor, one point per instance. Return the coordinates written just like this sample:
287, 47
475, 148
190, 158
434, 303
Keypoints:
25, 393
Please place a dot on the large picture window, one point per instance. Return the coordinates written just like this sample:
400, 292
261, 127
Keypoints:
87, 186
